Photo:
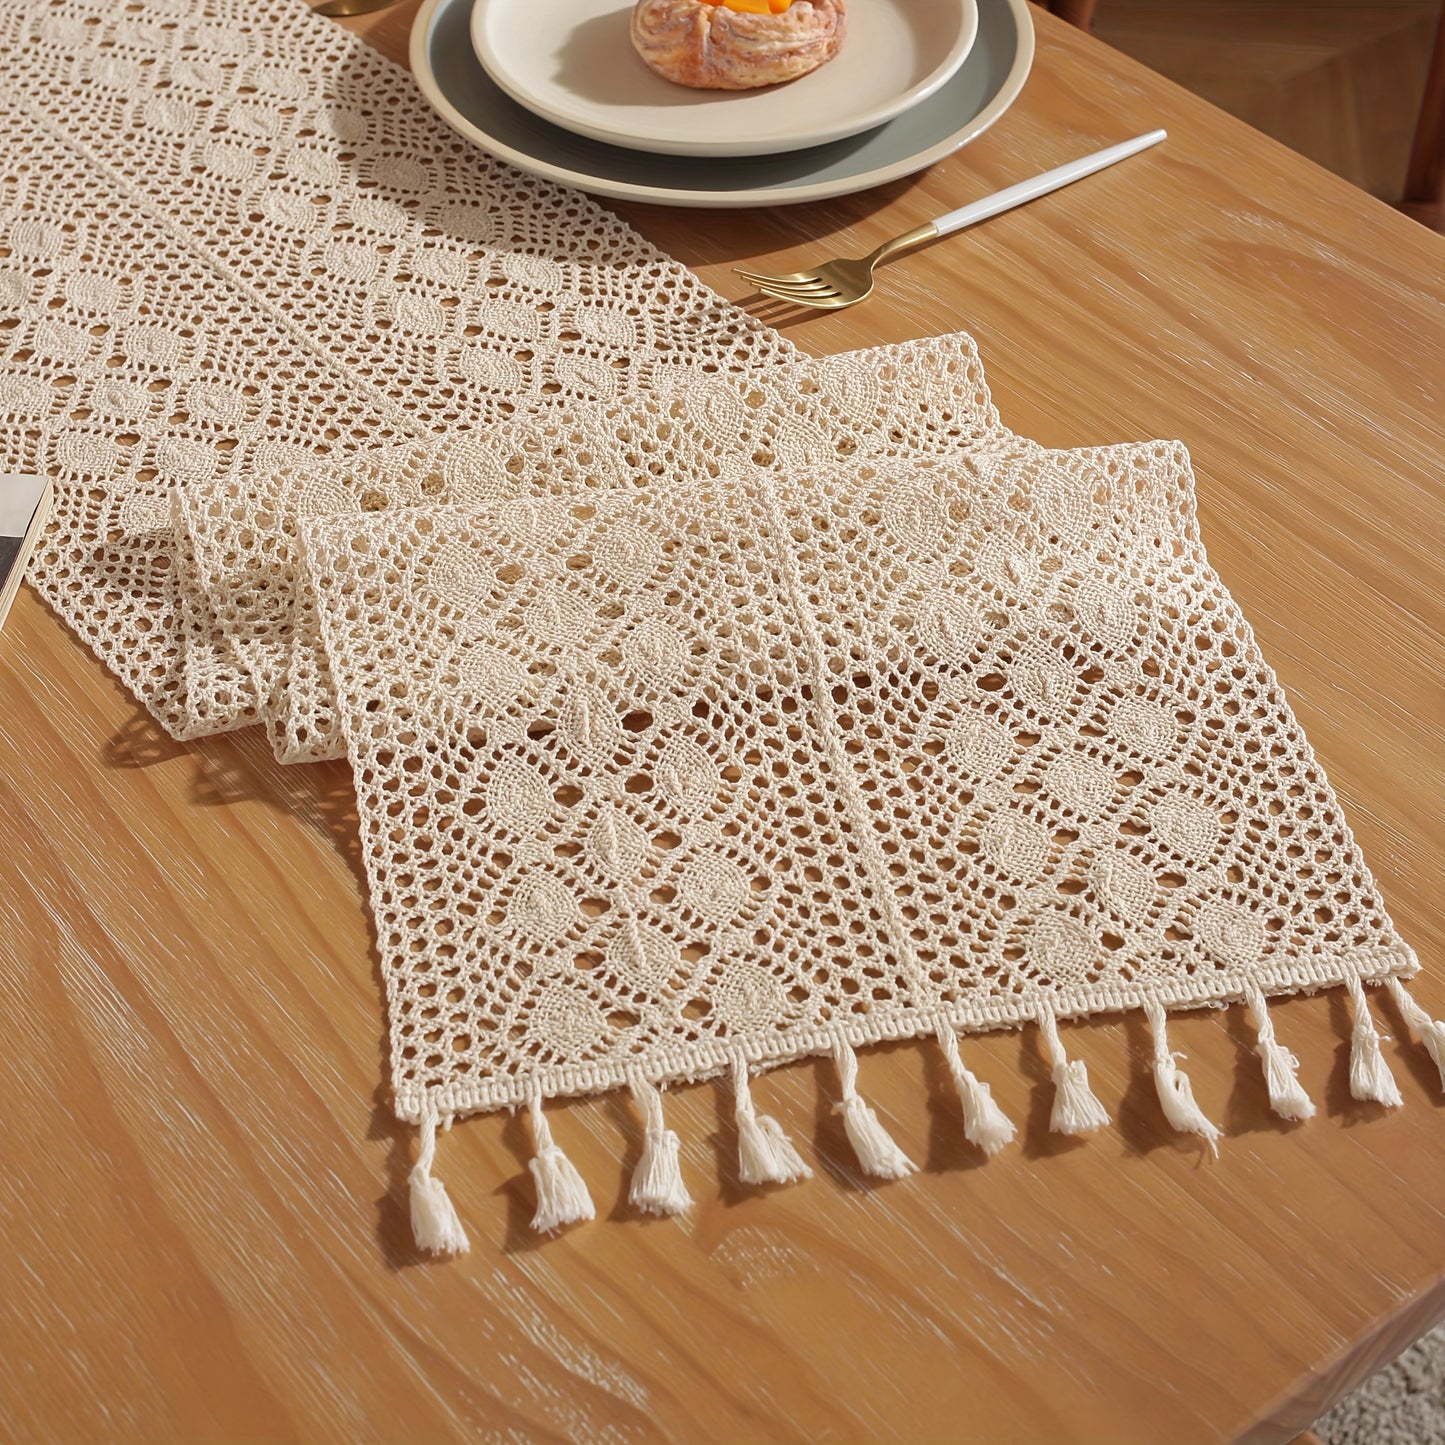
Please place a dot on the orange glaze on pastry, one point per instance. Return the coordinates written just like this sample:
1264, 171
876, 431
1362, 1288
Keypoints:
753, 7
737, 44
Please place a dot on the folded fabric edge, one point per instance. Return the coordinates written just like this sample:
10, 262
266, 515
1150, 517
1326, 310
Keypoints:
313, 732
220, 691
296, 737
766, 1155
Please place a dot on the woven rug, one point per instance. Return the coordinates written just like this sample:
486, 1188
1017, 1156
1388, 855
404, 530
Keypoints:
1404, 1404
710, 707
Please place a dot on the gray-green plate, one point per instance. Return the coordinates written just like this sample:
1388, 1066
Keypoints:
980, 91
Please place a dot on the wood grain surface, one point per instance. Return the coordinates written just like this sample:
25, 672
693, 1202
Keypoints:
202, 1226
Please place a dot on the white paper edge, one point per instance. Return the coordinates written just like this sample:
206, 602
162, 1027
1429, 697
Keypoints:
19, 497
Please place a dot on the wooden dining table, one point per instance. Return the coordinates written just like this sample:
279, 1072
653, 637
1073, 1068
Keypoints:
204, 1222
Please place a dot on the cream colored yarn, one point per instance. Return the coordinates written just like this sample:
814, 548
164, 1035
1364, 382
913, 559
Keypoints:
234, 239
709, 706
658, 785
917, 399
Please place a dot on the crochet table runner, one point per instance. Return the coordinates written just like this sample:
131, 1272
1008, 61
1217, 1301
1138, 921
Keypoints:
238, 533
233, 238
658, 783
709, 706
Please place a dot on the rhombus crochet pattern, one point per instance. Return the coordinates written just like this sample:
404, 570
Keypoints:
709, 706
659, 786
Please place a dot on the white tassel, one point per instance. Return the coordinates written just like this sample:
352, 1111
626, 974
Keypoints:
434, 1222
765, 1153
1429, 1031
984, 1123
657, 1186
1176, 1093
877, 1153
1370, 1076
1076, 1110
562, 1196
1286, 1094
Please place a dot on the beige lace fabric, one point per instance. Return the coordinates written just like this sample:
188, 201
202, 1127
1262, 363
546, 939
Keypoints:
776, 759
709, 706
234, 239
239, 531
658, 782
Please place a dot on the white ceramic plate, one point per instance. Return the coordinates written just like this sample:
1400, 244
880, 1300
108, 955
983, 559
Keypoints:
572, 62
984, 86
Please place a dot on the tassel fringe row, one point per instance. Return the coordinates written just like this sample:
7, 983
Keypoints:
767, 1156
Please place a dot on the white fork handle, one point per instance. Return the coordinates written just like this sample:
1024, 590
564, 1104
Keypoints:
1030, 190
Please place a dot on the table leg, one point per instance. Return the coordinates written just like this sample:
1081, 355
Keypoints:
1076, 12
1425, 179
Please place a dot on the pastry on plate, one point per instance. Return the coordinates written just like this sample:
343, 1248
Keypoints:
737, 44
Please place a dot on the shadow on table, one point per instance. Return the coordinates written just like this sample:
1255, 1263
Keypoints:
238, 768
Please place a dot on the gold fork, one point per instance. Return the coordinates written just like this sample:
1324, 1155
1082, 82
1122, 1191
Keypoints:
846, 281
